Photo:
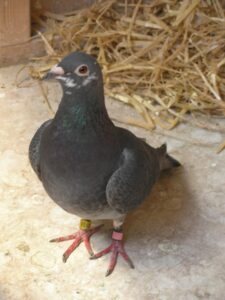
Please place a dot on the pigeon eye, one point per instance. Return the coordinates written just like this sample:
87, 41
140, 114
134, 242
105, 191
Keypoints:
82, 70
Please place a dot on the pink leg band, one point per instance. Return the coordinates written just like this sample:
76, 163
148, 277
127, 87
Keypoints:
117, 236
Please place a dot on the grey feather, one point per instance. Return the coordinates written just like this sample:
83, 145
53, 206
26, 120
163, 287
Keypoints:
87, 165
137, 172
166, 161
34, 148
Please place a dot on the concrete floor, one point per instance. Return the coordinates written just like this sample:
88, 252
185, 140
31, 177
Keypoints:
176, 239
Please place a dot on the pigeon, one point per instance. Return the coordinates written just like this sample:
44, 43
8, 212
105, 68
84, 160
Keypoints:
87, 165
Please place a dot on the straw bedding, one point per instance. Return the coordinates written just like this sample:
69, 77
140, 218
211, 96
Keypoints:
165, 58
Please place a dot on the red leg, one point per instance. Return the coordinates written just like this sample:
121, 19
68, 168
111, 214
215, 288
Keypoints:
82, 235
116, 248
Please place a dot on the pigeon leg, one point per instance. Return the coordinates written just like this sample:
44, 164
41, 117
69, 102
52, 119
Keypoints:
116, 248
82, 235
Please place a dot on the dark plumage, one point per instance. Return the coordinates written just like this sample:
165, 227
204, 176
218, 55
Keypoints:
88, 166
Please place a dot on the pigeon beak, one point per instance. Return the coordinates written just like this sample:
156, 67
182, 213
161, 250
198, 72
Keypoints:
53, 73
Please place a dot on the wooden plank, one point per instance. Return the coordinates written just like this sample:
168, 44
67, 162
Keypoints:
16, 44
20, 53
63, 6
14, 21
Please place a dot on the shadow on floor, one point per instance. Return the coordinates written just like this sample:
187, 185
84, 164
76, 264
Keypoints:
169, 212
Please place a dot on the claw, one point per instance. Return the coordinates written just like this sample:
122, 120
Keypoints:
116, 248
78, 237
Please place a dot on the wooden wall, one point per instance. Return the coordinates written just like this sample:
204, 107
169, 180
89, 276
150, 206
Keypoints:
16, 43
14, 21
61, 6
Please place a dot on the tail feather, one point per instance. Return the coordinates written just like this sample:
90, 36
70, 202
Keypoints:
166, 161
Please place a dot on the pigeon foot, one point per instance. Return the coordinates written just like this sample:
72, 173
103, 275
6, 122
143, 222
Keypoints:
82, 235
116, 248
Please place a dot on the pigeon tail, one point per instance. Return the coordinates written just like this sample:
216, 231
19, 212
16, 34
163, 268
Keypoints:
166, 161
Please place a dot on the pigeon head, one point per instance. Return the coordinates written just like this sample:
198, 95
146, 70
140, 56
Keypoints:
76, 71
82, 104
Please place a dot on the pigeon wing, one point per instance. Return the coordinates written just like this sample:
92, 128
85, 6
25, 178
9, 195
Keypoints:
132, 181
34, 148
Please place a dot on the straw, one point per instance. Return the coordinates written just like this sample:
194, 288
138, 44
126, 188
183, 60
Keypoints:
165, 58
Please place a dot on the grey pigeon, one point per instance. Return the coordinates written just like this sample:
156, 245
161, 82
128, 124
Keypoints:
89, 166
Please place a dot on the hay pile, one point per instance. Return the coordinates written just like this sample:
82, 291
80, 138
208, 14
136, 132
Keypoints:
166, 58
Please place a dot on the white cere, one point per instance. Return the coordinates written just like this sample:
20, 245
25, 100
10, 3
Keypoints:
57, 70
68, 93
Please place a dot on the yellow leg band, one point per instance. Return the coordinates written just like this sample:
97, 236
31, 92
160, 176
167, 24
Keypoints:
85, 224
